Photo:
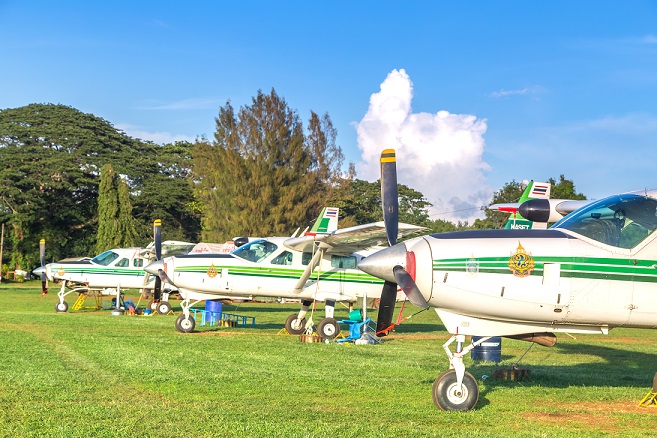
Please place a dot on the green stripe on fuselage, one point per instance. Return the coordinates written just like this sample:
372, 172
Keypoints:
573, 267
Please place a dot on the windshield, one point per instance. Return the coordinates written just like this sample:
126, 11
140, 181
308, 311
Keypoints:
622, 221
255, 251
105, 258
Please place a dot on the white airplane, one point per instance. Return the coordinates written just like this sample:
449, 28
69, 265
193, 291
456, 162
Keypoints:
111, 271
592, 271
320, 265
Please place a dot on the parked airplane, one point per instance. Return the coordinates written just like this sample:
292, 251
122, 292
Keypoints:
319, 265
111, 271
592, 271
516, 221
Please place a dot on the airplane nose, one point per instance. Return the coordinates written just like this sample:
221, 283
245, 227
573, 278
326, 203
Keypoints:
38, 271
153, 267
381, 263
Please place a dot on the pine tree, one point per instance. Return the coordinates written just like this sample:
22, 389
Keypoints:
108, 211
261, 176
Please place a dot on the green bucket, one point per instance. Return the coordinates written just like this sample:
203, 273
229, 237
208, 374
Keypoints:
355, 315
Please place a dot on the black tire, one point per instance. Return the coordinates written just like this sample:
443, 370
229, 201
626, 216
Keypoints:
185, 325
448, 397
328, 328
61, 306
293, 326
163, 307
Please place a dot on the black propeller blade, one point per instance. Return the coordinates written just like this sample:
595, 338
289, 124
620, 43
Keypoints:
390, 204
44, 278
389, 194
157, 236
386, 309
406, 282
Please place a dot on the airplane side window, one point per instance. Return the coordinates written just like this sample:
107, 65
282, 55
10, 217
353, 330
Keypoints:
123, 263
306, 257
343, 262
105, 258
138, 263
284, 258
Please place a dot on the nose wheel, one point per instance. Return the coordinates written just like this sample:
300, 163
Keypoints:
449, 395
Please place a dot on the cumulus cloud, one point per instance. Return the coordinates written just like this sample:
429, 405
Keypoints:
439, 155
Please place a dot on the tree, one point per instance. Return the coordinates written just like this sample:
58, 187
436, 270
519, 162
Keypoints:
52, 156
564, 189
364, 204
116, 227
261, 176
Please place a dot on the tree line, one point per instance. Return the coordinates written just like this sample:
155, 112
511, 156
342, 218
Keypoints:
85, 186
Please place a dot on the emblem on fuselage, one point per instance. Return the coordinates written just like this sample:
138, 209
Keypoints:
521, 263
212, 271
472, 266
61, 272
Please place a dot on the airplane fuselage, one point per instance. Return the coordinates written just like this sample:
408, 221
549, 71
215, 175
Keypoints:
275, 275
514, 281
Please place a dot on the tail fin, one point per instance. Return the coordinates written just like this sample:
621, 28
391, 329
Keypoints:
534, 190
327, 222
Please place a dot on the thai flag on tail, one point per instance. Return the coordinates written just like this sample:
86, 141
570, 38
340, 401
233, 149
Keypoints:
331, 212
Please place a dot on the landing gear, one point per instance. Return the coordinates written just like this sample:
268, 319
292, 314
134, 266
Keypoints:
152, 304
294, 325
456, 389
449, 395
163, 307
185, 324
61, 306
328, 328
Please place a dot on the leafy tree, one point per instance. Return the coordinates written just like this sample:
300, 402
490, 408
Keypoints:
52, 156
363, 204
564, 189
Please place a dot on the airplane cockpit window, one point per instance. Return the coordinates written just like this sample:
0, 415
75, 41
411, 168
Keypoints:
138, 263
306, 257
344, 262
284, 258
123, 263
255, 251
105, 258
622, 221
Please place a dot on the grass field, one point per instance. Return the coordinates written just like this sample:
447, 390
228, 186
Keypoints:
92, 374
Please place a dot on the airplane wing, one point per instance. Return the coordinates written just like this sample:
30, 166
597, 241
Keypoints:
349, 240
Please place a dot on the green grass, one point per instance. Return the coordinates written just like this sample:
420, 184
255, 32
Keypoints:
90, 373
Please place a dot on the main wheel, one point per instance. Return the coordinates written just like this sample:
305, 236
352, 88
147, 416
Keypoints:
152, 305
185, 325
163, 307
294, 326
61, 306
328, 328
449, 397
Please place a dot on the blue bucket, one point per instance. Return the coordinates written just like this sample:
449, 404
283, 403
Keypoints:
490, 350
213, 306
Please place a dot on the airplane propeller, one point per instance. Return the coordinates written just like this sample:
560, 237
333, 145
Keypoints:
390, 204
44, 278
157, 236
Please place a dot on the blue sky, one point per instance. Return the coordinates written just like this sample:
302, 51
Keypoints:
478, 93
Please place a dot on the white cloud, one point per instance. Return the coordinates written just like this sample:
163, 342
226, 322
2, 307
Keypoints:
155, 137
505, 93
440, 154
